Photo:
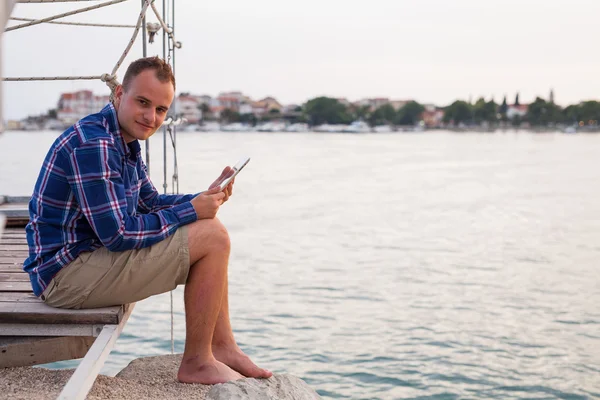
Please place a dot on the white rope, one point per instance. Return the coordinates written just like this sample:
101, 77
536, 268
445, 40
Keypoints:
40, 21
168, 30
49, 1
172, 327
77, 23
152, 28
110, 79
52, 78
170, 122
135, 32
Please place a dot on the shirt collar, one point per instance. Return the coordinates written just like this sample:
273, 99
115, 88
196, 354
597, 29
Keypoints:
134, 148
131, 149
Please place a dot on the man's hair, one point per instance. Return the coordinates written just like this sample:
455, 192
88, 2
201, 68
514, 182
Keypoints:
164, 73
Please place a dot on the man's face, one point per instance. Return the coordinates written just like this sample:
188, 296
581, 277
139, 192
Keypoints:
142, 109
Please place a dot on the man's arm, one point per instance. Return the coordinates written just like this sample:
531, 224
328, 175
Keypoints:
97, 184
151, 201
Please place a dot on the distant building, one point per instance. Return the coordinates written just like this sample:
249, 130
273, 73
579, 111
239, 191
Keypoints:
373, 103
265, 105
516, 110
205, 99
216, 111
245, 108
398, 104
430, 107
231, 100
432, 116
344, 101
188, 107
74, 106
379, 101
13, 125
290, 108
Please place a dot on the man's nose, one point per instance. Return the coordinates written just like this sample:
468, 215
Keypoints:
150, 115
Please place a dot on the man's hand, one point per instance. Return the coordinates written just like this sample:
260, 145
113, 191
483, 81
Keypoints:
207, 203
228, 190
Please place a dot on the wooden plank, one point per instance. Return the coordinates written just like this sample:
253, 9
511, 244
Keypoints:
14, 254
35, 350
14, 210
18, 239
85, 375
13, 247
10, 264
17, 222
15, 287
5, 258
14, 276
40, 313
18, 235
51, 329
14, 234
11, 268
13, 297
14, 199
13, 242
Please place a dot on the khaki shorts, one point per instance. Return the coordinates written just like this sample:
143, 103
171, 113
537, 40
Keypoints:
102, 278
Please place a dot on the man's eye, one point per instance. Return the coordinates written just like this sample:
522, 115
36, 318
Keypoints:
143, 102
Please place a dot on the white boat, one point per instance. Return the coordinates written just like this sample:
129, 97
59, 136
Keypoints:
190, 128
330, 128
271, 127
358, 127
237, 127
383, 129
298, 127
210, 126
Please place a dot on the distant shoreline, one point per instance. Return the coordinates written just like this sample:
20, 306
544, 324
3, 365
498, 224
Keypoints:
399, 130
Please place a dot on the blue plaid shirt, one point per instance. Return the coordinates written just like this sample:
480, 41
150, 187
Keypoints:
93, 191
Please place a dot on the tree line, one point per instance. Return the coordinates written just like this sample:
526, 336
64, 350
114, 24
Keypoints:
328, 110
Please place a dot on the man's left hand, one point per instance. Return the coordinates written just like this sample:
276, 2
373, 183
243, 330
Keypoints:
228, 190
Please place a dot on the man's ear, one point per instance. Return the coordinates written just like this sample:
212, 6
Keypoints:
118, 95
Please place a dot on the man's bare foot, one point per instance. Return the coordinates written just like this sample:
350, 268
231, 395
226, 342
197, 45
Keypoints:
234, 357
209, 373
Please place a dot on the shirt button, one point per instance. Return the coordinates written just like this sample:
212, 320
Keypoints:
43, 297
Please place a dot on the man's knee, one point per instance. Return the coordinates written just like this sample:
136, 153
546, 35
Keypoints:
207, 235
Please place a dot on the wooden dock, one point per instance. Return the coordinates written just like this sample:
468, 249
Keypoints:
33, 333
15, 210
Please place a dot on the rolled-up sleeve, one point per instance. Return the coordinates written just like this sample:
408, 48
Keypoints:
150, 200
97, 184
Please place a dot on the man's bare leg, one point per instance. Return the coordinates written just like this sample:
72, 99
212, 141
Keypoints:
225, 348
209, 254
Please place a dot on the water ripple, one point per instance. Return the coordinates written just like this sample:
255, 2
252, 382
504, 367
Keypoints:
426, 266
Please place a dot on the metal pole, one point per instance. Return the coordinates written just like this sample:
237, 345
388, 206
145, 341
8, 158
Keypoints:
176, 186
165, 169
144, 54
164, 128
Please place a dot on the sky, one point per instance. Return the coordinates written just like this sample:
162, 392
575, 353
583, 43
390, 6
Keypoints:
432, 51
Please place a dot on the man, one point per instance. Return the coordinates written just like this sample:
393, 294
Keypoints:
101, 235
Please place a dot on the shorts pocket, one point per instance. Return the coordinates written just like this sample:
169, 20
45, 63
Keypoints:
72, 284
